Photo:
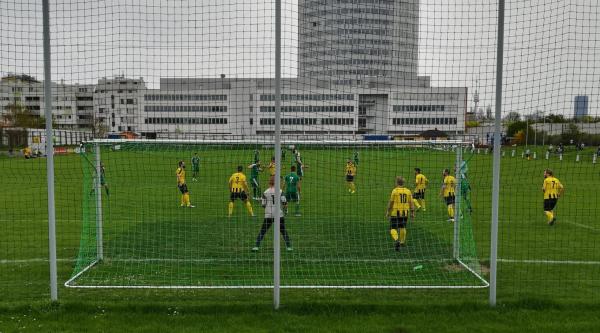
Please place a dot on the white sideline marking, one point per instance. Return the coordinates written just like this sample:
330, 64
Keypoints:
550, 262
32, 260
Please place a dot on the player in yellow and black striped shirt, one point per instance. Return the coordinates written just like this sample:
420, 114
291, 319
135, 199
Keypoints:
350, 171
552, 189
400, 204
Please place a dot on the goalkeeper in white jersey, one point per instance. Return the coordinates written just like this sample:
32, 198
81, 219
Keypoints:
269, 202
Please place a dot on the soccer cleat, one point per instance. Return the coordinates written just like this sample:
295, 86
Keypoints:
352, 192
551, 223
451, 220
298, 214
402, 244
254, 249
397, 246
191, 206
289, 249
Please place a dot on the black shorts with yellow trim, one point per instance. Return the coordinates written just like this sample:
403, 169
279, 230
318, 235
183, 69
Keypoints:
450, 199
398, 220
349, 178
238, 195
549, 204
419, 194
183, 188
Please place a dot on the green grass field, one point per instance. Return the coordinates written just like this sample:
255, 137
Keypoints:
545, 274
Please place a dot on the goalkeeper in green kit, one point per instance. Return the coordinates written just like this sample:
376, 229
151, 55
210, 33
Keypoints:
292, 190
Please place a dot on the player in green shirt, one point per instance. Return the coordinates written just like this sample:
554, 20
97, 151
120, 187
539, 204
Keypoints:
255, 169
356, 158
292, 189
195, 166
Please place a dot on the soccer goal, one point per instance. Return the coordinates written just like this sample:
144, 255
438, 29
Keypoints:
136, 231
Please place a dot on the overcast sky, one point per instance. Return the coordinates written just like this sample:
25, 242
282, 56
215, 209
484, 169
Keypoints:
552, 47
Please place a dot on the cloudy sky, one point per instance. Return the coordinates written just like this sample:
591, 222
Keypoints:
552, 47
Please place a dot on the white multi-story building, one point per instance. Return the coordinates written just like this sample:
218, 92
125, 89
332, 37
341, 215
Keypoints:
117, 103
72, 106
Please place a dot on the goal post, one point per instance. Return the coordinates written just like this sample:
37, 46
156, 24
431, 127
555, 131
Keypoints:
140, 237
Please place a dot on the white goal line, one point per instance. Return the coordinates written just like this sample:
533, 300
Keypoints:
400, 260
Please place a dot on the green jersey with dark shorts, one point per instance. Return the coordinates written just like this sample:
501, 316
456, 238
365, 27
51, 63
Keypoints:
195, 163
291, 186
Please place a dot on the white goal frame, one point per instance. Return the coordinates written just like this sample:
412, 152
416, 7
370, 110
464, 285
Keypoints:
454, 145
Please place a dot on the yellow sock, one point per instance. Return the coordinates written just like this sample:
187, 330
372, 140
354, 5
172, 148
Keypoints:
230, 208
451, 211
549, 215
183, 199
249, 207
352, 187
186, 198
416, 203
394, 234
422, 203
402, 235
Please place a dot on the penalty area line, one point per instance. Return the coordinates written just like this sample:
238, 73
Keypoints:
550, 262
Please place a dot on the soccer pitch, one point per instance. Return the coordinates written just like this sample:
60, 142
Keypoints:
340, 240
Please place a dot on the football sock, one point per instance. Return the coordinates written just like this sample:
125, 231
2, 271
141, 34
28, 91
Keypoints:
249, 208
106, 188
451, 211
394, 234
549, 215
352, 187
422, 203
230, 208
183, 199
402, 235
416, 203
186, 198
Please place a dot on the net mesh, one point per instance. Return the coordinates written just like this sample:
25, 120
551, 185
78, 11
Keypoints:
337, 238
352, 70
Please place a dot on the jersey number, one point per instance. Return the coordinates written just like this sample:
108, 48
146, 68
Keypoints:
403, 198
273, 198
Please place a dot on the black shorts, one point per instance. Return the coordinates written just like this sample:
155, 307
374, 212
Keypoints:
398, 222
419, 195
291, 196
183, 188
235, 195
349, 178
449, 200
549, 204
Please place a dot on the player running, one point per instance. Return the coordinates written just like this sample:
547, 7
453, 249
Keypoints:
447, 191
255, 169
401, 202
552, 190
421, 183
238, 187
185, 194
195, 167
350, 171
292, 189
269, 201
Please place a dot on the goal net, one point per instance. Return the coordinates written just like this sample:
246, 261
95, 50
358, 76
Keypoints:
138, 233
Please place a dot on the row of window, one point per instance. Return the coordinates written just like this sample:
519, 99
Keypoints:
424, 121
353, 51
348, 41
185, 108
308, 121
437, 96
187, 121
342, 11
310, 108
418, 108
371, 2
342, 72
179, 97
364, 62
309, 97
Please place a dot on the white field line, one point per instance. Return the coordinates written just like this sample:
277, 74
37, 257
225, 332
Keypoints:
550, 262
308, 260
580, 225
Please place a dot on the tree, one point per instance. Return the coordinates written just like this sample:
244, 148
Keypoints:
512, 117
556, 118
572, 133
17, 115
